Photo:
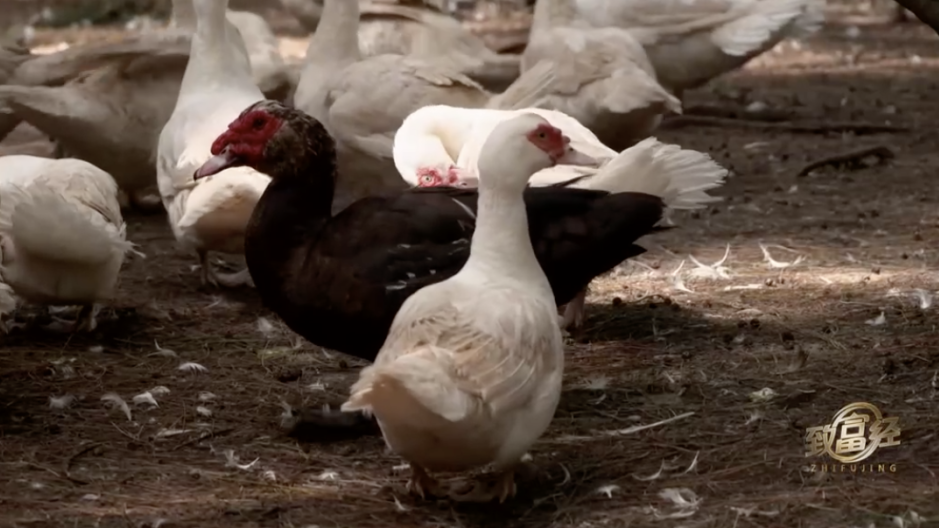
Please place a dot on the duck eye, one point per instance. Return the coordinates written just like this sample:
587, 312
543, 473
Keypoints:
258, 122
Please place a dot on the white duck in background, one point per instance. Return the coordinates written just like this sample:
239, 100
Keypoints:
106, 103
421, 31
690, 42
441, 145
62, 237
211, 214
470, 373
268, 69
605, 80
110, 116
362, 102
272, 75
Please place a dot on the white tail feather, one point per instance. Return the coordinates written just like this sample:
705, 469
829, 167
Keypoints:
45, 223
679, 176
399, 390
768, 22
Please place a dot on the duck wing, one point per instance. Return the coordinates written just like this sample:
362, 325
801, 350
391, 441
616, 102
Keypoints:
578, 234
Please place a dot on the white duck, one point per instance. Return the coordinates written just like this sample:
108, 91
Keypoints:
54, 69
470, 373
110, 116
422, 31
211, 214
605, 80
689, 42
441, 145
62, 237
363, 102
272, 75
106, 103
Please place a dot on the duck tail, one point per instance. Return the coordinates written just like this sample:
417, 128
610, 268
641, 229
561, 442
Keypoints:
767, 23
409, 389
529, 90
681, 177
45, 223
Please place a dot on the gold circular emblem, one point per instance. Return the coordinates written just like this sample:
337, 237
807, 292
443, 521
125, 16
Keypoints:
849, 441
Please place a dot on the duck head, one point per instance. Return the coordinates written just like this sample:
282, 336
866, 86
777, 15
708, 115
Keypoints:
276, 140
446, 175
529, 133
520, 147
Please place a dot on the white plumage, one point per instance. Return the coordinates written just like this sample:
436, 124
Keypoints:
61, 231
689, 42
605, 79
211, 214
362, 102
442, 144
470, 372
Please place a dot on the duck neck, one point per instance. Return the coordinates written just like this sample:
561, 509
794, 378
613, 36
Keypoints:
218, 58
552, 13
501, 246
290, 215
336, 40
211, 20
183, 15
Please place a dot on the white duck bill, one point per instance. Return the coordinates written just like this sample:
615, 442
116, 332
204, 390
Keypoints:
574, 157
216, 164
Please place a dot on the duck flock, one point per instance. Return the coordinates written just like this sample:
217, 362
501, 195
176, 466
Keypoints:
388, 205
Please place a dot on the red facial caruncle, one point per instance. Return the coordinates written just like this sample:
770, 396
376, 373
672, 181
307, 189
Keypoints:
429, 177
549, 139
434, 177
248, 134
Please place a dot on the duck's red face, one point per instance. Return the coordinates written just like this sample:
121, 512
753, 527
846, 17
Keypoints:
451, 176
549, 139
555, 144
244, 142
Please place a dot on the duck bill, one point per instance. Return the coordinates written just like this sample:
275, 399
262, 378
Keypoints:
216, 164
577, 158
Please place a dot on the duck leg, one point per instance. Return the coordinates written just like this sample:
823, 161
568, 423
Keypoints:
422, 484
208, 273
504, 489
227, 280
58, 151
87, 319
574, 311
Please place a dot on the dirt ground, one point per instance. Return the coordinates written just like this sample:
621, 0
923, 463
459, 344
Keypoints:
737, 359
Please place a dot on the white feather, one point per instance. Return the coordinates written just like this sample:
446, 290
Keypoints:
117, 401
190, 366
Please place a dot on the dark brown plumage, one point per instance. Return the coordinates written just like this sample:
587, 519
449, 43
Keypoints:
339, 281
